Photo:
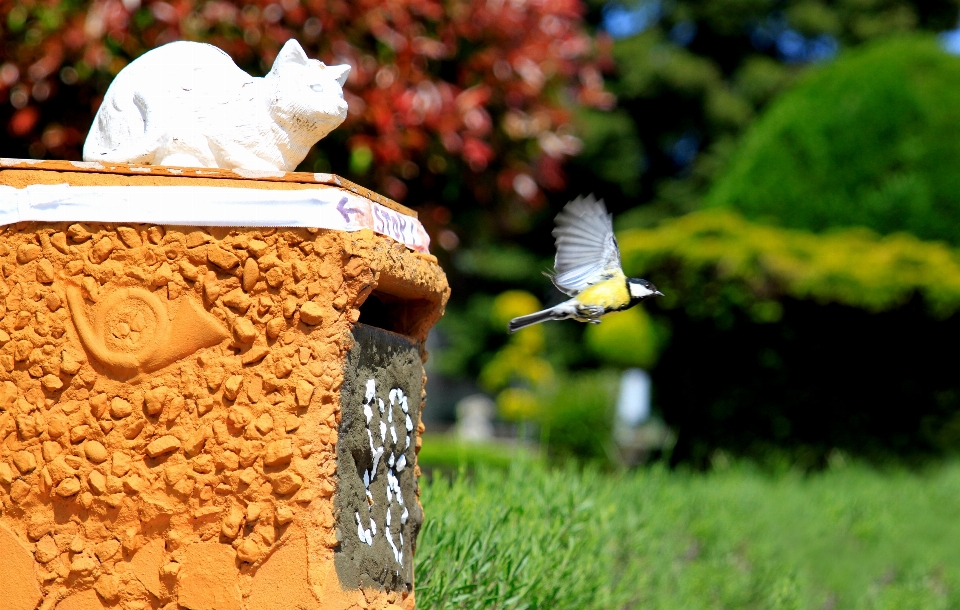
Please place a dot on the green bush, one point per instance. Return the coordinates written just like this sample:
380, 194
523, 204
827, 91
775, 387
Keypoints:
576, 419
871, 140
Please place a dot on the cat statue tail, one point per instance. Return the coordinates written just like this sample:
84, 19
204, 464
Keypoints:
138, 144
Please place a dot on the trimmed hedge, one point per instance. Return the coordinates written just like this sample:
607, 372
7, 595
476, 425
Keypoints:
712, 260
860, 357
872, 140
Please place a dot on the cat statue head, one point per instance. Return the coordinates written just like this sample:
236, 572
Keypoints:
307, 94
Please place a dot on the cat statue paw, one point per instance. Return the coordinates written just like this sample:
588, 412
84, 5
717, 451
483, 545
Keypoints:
187, 104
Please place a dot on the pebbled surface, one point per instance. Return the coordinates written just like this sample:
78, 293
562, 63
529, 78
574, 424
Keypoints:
85, 512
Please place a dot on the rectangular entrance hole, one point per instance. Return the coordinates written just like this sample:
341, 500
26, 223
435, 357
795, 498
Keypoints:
389, 312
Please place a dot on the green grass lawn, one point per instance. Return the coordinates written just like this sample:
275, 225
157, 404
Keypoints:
850, 537
447, 453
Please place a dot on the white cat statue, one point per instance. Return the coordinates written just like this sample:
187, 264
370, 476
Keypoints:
188, 104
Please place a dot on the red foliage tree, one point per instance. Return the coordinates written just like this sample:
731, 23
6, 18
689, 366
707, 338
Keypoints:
459, 100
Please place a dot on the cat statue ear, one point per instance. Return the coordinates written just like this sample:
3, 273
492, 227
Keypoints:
291, 53
340, 73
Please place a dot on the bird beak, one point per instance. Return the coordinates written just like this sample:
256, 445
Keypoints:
657, 293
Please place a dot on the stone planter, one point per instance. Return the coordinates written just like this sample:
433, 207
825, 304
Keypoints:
209, 418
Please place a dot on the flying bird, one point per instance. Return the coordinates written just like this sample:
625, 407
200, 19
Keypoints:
587, 268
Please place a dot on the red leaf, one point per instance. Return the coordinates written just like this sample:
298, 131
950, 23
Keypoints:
23, 121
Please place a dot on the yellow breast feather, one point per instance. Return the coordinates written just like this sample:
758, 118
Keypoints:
609, 294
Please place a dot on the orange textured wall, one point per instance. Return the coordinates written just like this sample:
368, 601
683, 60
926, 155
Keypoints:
169, 407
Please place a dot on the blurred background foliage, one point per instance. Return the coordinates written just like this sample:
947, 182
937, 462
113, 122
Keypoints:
831, 120
784, 170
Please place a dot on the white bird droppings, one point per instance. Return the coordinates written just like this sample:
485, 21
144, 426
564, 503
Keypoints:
392, 453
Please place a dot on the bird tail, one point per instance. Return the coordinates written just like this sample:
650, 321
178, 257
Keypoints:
529, 320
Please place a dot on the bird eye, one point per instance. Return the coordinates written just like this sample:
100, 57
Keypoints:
317, 88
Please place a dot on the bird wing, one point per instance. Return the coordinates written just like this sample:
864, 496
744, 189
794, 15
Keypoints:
587, 250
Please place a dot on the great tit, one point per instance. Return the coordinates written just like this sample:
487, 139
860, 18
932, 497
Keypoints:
587, 268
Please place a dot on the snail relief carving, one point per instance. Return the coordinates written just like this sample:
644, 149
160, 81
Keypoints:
188, 104
131, 331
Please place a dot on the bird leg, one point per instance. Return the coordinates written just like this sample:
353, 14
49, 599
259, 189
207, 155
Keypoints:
589, 313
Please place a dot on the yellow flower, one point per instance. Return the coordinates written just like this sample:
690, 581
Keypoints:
514, 364
511, 304
518, 404
625, 338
